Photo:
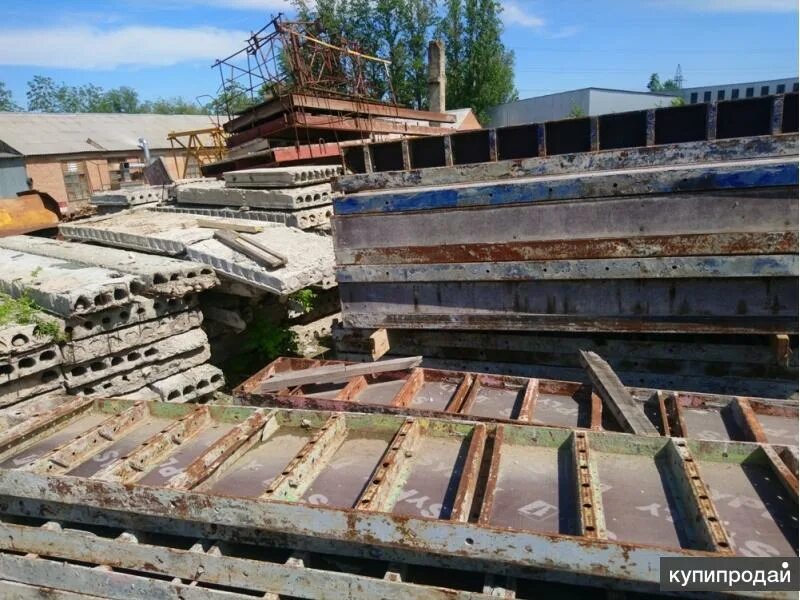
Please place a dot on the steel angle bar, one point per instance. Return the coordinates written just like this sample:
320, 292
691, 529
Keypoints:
531, 508
665, 179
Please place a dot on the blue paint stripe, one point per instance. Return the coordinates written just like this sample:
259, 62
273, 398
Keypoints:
520, 192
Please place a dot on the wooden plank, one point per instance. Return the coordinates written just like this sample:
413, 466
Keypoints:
669, 154
228, 226
698, 267
666, 179
336, 373
697, 244
625, 409
668, 217
252, 251
410, 388
301, 471
225, 451
465, 493
376, 495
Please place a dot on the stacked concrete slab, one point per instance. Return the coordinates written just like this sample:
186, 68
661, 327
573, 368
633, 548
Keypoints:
110, 201
296, 196
130, 323
309, 256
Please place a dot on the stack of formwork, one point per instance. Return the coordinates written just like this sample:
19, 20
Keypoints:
299, 197
129, 323
687, 246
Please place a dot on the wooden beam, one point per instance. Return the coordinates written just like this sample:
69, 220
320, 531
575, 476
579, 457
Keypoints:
591, 520
130, 467
250, 249
224, 452
596, 415
63, 458
301, 471
228, 226
527, 407
335, 373
412, 385
462, 504
625, 409
385, 478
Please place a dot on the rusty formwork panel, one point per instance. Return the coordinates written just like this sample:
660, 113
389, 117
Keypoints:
464, 395
700, 248
117, 563
568, 505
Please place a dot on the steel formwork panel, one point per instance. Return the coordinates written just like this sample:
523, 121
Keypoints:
527, 401
378, 481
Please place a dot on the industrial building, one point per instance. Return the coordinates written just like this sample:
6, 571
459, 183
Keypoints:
70, 156
589, 101
734, 91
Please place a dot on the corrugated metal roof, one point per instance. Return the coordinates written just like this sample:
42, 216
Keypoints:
36, 134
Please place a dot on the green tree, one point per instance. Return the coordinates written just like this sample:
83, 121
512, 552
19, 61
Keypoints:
123, 99
576, 112
6, 99
480, 70
655, 85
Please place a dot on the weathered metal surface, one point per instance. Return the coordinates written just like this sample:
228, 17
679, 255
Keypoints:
28, 213
746, 365
696, 305
785, 265
634, 130
657, 225
413, 499
667, 179
672, 154
518, 400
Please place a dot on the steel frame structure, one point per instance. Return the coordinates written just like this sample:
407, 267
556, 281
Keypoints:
178, 481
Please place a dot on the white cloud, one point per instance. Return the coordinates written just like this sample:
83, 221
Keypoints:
94, 48
565, 32
732, 5
514, 15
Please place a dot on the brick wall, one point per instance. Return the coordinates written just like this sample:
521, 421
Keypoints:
48, 177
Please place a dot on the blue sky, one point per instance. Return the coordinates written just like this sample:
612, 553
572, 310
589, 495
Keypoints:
164, 48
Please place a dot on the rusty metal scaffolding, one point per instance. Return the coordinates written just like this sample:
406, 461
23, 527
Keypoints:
298, 56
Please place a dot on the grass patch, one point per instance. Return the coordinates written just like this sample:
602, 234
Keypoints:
25, 311
305, 298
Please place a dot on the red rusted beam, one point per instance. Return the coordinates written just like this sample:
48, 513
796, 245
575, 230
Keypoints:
462, 504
